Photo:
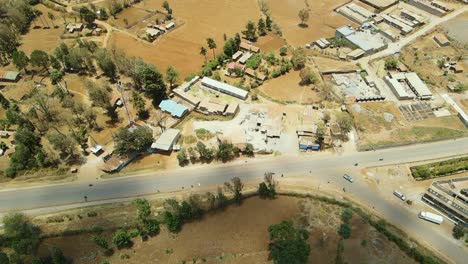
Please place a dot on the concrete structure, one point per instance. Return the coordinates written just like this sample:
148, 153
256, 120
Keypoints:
404, 84
415, 18
380, 4
9, 76
232, 109
189, 98
212, 106
166, 140
428, 6
365, 40
418, 86
72, 27
173, 108
245, 57
355, 54
115, 164
236, 55
397, 89
352, 85
248, 47
441, 40
186, 85
355, 13
397, 23
461, 114
224, 88
170, 25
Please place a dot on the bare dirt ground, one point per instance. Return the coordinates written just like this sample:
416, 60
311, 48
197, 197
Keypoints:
174, 48
286, 88
236, 235
322, 22
456, 28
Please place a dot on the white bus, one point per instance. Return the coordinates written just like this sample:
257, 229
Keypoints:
431, 217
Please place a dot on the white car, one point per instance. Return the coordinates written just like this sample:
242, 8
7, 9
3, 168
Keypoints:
399, 195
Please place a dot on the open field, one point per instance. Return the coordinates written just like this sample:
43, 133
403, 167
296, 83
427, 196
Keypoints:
181, 47
374, 130
286, 88
322, 22
222, 236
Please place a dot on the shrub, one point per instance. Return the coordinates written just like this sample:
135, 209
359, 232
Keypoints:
344, 231
121, 238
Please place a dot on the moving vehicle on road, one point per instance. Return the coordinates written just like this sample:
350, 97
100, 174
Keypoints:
434, 218
348, 178
399, 195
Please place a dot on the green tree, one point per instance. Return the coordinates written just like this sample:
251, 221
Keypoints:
346, 215
229, 47
390, 63
182, 157
62, 143
121, 238
104, 61
139, 105
57, 256
166, 6
51, 17
299, 58
262, 30
307, 76
235, 186
4, 258
250, 32
28, 151
345, 121
9, 40
459, 231
100, 241
99, 94
283, 51
303, 16
87, 15
172, 76
288, 244
40, 58
344, 231
143, 209
55, 76
206, 154
20, 60
129, 142
203, 52
21, 233
225, 151
103, 14
211, 45
249, 149
268, 23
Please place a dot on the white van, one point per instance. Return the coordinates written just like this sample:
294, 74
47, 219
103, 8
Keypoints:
399, 195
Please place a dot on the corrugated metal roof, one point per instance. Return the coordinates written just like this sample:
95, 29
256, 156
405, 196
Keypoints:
10, 75
345, 30
175, 109
224, 87
166, 140
418, 84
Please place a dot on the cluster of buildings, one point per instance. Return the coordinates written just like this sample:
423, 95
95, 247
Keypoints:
356, 13
367, 41
407, 85
308, 134
153, 31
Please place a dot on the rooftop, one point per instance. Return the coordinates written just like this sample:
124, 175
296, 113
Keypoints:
166, 140
174, 108
250, 47
224, 87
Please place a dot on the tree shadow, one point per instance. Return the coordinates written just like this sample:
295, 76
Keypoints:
302, 25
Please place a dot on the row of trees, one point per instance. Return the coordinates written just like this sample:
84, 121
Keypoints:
225, 152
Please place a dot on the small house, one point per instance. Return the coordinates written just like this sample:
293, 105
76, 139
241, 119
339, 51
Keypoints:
173, 108
441, 40
232, 109
96, 149
259, 76
74, 27
152, 33
237, 55
9, 76
212, 106
249, 47
166, 140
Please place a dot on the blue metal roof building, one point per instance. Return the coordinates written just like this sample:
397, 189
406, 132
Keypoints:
173, 108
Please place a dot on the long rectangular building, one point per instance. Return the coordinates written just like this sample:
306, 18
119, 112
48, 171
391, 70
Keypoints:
224, 88
397, 88
418, 86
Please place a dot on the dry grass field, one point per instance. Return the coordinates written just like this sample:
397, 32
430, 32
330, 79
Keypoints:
286, 88
322, 22
236, 235
203, 19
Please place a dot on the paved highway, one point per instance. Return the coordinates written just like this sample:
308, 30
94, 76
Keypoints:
323, 167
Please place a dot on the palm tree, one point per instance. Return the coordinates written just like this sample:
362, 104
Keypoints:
203, 52
212, 45
51, 17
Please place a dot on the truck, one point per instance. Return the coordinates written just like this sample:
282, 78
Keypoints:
431, 217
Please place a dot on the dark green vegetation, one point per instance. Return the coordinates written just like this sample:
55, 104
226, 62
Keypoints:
441, 168
288, 245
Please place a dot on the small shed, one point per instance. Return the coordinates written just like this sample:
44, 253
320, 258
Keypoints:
441, 40
96, 149
237, 55
166, 141
74, 27
170, 25
9, 76
232, 109
249, 47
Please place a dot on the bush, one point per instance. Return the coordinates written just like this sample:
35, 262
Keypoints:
121, 238
346, 215
254, 61
92, 214
345, 231
459, 231
390, 63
